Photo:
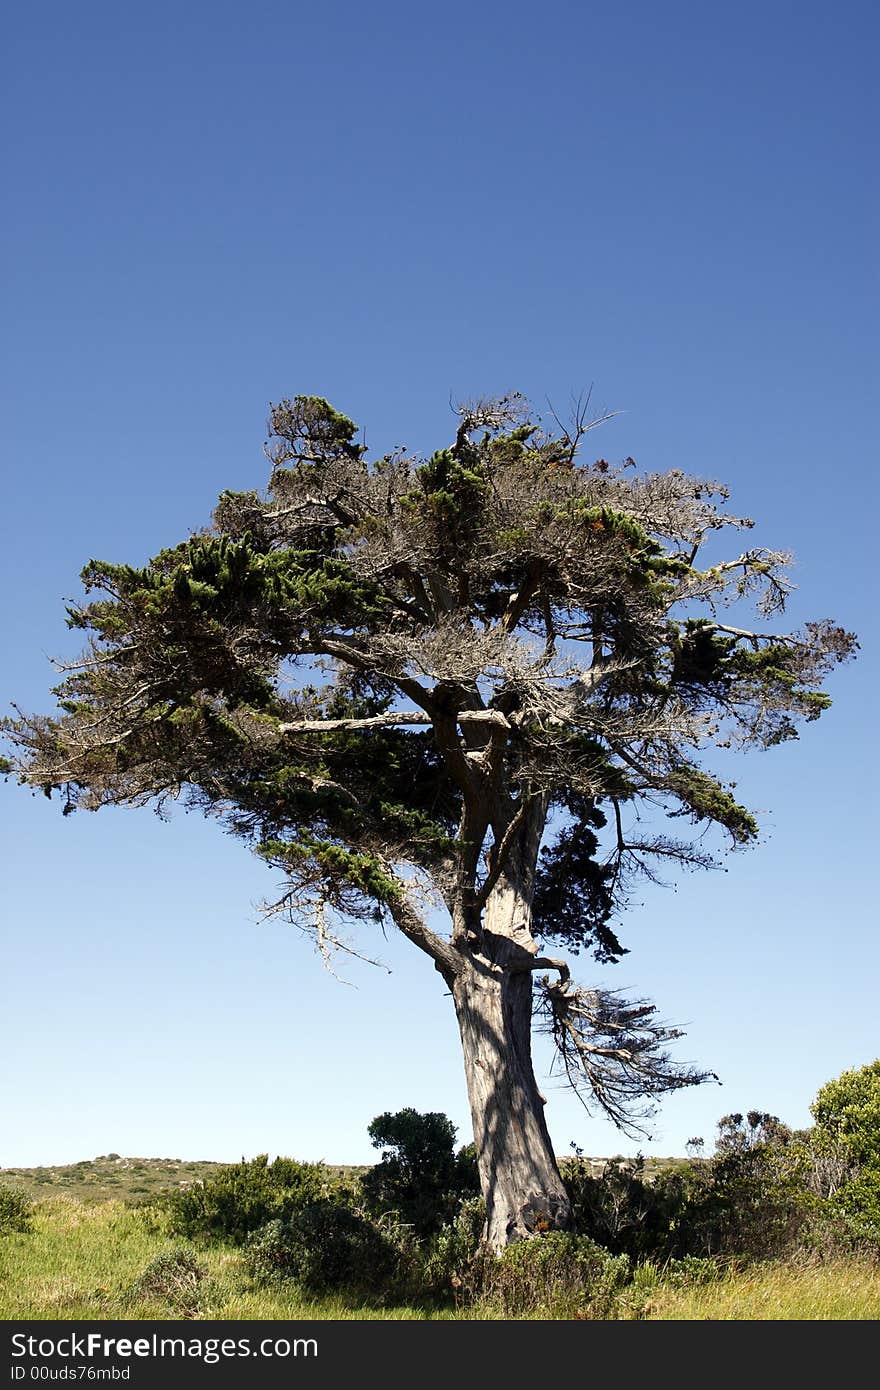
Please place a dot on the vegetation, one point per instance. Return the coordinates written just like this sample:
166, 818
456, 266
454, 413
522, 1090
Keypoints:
324, 1247
15, 1210
456, 680
421, 1178
847, 1115
747, 1233
86, 1262
174, 1278
239, 1198
134, 1180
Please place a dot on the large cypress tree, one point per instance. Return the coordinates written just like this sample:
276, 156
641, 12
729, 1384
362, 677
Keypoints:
446, 686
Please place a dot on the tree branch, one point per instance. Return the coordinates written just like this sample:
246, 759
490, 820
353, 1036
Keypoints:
500, 852
408, 921
373, 721
385, 721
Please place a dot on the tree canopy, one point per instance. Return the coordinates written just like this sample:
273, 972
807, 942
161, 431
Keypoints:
448, 685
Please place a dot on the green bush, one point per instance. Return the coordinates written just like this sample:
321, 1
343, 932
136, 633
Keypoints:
692, 1271
15, 1211
452, 1260
750, 1200
847, 1110
323, 1248
620, 1209
241, 1197
846, 1149
421, 1178
558, 1275
174, 1277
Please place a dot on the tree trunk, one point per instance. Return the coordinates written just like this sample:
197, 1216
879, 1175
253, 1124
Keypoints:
521, 1185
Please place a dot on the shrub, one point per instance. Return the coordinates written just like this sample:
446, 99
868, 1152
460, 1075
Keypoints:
847, 1110
421, 1179
453, 1260
174, 1277
749, 1201
241, 1197
846, 1151
692, 1271
754, 1205
324, 1247
620, 1209
558, 1275
15, 1211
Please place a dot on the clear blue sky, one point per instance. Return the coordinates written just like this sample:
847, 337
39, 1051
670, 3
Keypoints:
210, 207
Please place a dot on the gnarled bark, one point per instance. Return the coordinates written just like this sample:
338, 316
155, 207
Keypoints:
519, 1177
520, 1181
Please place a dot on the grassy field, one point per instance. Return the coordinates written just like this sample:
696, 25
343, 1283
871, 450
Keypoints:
82, 1261
85, 1260
844, 1291
133, 1180
137, 1181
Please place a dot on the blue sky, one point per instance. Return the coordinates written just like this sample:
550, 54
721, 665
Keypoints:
210, 207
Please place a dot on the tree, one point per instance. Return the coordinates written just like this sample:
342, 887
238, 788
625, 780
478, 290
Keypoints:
451, 684
846, 1148
420, 1175
847, 1112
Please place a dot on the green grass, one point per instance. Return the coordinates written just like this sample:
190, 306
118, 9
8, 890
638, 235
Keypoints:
80, 1260
138, 1181
837, 1291
135, 1180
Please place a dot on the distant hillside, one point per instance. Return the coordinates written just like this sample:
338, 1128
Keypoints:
139, 1180
134, 1180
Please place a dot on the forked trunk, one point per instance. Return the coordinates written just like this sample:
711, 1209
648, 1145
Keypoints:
520, 1181
521, 1184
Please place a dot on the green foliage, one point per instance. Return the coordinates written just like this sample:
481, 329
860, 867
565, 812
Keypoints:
847, 1111
307, 430
619, 1209
847, 1115
15, 1211
751, 1200
324, 1247
767, 1192
451, 488
420, 1178
557, 1275
454, 1257
574, 889
362, 872
241, 1197
692, 1271
359, 564
705, 799
174, 1277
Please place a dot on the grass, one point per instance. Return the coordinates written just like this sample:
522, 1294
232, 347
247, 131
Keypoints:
81, 1261
135, 1180
837, 1291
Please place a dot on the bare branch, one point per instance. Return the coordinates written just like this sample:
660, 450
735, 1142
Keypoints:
416, 930
611, 1051
373, 721
492, 717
